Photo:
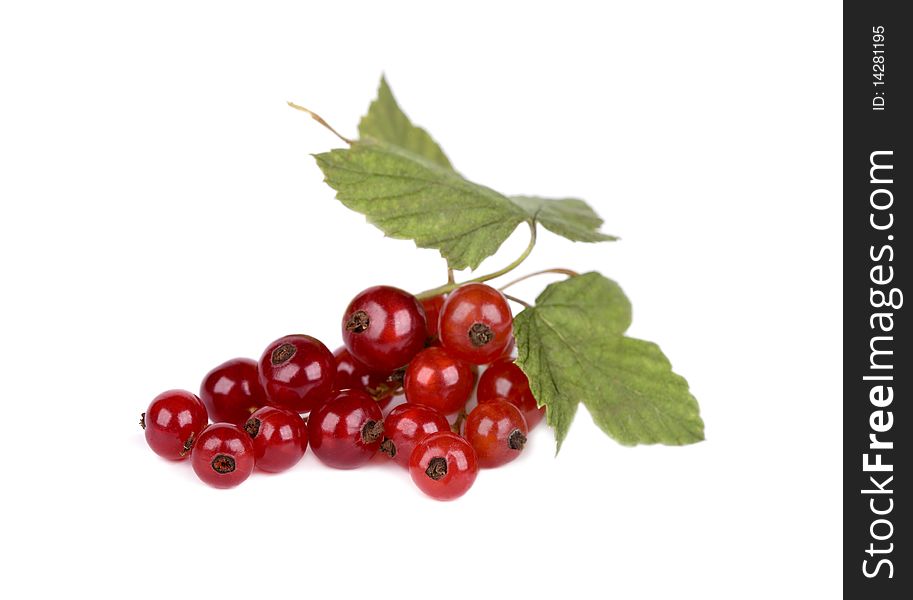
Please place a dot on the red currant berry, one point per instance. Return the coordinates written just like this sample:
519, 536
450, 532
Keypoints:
504, 380
443, 465
433, 306
280, 438
347, 430
437, 379
223, 455
384, 327
406, 426
351, 374
232, 391
297, 372
497, 433
476, 323
173, 423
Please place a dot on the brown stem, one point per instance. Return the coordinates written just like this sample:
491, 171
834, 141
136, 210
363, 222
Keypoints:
384, 390
517, 300
458, 424
320, 120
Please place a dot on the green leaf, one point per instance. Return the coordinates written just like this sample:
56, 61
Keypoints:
410, 197
572, 348
401, 180
386, 122
568, 217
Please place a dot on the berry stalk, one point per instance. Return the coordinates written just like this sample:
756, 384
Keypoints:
449, 287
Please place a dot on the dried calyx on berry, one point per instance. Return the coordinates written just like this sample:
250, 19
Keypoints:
437, 468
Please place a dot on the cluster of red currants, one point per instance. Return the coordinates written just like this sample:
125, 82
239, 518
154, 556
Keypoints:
427, 350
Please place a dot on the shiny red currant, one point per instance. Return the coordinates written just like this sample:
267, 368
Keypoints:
173, 423
384, 327
280, 438
497, 432
406, 426
297, 372
504, 380
437, 379
346, 431
232, 391
475, 323
351, 374
443, 465
223, 455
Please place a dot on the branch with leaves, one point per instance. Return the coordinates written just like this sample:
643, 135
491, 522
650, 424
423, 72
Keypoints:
571, 343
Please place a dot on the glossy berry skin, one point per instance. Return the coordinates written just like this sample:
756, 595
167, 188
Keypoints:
223, 456
384, 327
504, 380
433, 306
297, 372
351, 374
443, 465
173, 423
280, 438
475, 323
406, 426
497, 432
232, 391
437, 379
346, 431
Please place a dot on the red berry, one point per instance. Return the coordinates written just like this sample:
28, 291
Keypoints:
384, 327
497, 433
433, 306
406, 426
475, 323
443, 465
437, 379
280, 438
351, 374
232, 391
297, 372
223, 456
504, 380
346, 431
173, 423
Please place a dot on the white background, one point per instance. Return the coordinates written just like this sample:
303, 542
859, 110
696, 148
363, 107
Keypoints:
159, 213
